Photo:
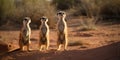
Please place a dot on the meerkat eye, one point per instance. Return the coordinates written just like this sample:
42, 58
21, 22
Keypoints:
25, 19
43, 18
40, 18
59, 13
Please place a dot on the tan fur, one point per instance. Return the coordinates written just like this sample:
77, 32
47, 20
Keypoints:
44, 34
24, 38
62, 31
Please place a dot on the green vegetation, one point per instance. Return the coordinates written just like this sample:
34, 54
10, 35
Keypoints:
94, 10
14, 10
75, 43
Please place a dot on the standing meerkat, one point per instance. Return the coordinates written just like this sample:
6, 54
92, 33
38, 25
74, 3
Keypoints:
62, 30
44, 34
25, 34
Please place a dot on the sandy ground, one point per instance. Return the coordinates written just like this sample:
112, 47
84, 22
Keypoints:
100, 44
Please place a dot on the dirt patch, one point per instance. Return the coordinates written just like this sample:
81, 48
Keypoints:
100, 44
4, 47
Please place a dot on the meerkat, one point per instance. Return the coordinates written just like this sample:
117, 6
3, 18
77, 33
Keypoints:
44, 34
62, 30
25, 34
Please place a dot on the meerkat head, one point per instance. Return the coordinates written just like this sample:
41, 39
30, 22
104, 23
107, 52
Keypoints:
44, 19
26, 20
61, 14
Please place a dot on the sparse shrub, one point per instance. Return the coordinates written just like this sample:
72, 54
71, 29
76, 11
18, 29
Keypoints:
15, 10
74, 43
60, 3
6, 9
87, 24
94, 10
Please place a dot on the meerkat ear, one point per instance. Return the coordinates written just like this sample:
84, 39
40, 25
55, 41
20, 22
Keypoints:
41, 19
57, 14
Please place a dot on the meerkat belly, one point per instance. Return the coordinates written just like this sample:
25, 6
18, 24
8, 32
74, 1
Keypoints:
25, 39
44, 30
43, 40
61, 27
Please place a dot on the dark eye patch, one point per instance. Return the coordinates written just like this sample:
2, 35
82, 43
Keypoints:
25, 20
43, 18
59, 13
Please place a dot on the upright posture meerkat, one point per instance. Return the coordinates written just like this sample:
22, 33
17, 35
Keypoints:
25, 34
44, 34
62, 30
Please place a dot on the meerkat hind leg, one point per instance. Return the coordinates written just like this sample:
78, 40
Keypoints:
46, 46
60, 42
23, 48
59, 47
65, 46
40, 48
28, 47
65, 43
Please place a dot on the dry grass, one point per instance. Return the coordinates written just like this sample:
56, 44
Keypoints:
87, 23
33, 9
75, 43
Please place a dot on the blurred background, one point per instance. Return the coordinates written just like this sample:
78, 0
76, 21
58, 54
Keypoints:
13, 11
93, 28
